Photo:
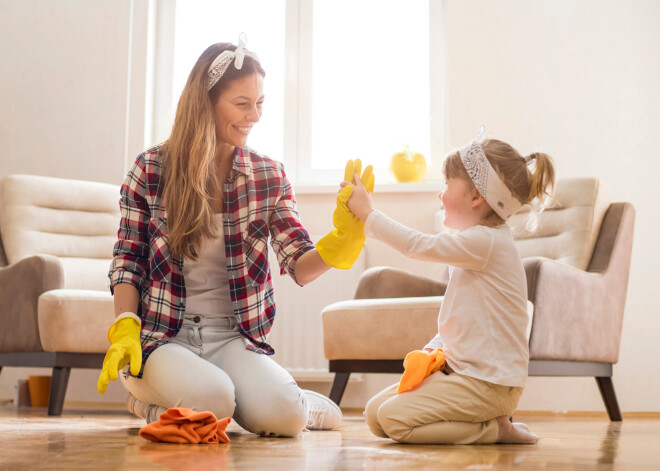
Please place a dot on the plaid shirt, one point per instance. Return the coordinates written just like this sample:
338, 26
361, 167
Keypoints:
258, 202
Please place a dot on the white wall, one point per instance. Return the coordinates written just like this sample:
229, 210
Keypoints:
578, 80
72, 87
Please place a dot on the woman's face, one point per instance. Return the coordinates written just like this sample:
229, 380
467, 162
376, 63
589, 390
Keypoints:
238, 108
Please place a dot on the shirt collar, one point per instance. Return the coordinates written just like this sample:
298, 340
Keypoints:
242, 162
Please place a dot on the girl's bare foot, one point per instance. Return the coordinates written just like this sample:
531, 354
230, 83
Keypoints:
514, 432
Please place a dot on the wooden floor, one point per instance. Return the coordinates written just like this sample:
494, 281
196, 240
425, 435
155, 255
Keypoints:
108, 440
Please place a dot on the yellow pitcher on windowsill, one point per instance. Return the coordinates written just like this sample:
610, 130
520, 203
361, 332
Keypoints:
408, 166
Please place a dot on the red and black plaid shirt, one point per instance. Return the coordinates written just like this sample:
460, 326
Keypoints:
258, 203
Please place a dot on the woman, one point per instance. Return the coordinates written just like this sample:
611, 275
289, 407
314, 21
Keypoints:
190, 276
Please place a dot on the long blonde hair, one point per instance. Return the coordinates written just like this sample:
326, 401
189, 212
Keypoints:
526, 184
189, 155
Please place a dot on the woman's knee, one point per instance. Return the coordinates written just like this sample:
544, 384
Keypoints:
179, 379
217, 396
282, 413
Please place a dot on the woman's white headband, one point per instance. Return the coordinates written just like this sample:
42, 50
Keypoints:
487, 181
221, 63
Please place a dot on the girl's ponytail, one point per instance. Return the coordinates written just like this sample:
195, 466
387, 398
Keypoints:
528, 178
542, 176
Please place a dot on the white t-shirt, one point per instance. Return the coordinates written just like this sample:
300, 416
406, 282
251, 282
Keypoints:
483, 320
206, 279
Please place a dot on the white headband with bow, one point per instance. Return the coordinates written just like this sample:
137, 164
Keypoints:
221, 63
485, 178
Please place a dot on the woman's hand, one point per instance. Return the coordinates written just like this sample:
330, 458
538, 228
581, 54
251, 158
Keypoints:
125, 348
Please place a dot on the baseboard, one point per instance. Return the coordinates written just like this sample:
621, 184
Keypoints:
553, 414
77, 405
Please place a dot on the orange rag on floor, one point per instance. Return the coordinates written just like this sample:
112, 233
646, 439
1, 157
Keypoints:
419, 365
181, 425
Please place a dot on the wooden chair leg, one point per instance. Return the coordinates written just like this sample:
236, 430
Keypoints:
58, 385
606, 388
339, 386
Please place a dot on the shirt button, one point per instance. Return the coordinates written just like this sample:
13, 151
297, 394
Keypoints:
196, 319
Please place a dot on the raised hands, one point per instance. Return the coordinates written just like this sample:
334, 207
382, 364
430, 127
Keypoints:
342, 246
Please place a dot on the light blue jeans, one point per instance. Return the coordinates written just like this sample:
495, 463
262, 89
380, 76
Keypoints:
206, 367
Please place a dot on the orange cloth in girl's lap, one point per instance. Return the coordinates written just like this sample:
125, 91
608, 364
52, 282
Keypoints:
419, 365
181, 425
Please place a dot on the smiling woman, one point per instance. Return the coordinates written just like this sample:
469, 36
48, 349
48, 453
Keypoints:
191, 279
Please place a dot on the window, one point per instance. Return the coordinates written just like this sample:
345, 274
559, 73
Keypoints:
370, 84
344, 78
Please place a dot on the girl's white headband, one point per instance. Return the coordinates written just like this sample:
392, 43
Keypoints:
221, 63
487, 181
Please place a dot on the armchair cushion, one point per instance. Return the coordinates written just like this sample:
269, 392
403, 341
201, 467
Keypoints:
370, 329
75, 320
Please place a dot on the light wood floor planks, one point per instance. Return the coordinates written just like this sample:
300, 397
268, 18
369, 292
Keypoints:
108, 440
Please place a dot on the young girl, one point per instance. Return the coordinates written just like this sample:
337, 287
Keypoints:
483, 319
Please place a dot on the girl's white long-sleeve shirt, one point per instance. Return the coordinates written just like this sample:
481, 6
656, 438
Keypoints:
483, 320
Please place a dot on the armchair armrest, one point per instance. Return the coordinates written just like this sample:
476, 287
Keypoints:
377, 329
390, 282
21, 284
577, 314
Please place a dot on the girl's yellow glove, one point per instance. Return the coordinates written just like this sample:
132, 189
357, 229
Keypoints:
342, 246
124, 336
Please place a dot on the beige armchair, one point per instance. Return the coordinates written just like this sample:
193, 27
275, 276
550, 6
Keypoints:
55, 250
577, 265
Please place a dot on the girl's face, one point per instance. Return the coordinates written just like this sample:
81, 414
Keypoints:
238, 109
458, 198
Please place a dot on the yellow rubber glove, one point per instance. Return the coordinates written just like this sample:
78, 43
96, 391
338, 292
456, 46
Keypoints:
342, 246
124, 336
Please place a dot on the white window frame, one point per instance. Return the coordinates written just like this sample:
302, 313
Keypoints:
297, 145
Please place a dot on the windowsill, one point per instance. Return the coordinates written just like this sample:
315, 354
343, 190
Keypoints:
415, 187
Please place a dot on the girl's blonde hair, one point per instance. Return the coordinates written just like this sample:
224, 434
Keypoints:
512, 168
189, 155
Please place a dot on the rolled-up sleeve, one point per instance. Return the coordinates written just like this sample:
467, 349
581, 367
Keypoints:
131, 251
289, 238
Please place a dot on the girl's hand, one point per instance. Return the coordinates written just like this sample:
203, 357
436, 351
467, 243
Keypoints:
360, 203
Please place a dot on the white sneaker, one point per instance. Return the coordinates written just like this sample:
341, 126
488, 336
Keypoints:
322, 413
